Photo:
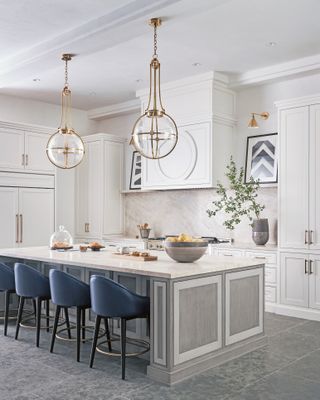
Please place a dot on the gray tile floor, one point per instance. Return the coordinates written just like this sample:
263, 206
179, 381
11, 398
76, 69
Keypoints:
288, 367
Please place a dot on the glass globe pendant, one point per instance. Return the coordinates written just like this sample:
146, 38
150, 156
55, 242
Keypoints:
65, 148
155, 133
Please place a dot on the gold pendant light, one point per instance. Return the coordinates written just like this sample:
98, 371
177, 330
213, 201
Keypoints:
65, 148
155, 133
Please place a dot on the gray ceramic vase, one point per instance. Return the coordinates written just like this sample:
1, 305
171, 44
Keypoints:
260, 231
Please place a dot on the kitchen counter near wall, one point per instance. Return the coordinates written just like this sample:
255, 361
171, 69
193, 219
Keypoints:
175, 211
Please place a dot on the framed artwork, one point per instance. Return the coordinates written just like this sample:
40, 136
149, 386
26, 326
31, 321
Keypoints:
262, 158
135, 177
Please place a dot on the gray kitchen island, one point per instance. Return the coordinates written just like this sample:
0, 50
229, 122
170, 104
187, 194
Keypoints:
202, 313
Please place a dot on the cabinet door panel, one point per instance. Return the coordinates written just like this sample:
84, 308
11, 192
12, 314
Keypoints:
112, 199
36, 208
11, 149
8, 217
189, 165
293, 177
294, 279
314, 193
314, 280
81, 195
36, 156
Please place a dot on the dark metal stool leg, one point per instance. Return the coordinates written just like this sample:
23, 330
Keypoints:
55, 326
106, 325
83, 323
66, 314
123, 347
78, 328
47, 315
38, 321
6, 310
20, 310
95, 339
34, 307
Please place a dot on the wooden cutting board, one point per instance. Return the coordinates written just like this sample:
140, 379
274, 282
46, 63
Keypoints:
137, 258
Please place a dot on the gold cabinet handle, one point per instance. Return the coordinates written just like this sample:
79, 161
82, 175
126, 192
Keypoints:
306, 237
17, 228
27, 159
306, 267
21, 228
86, 227
22, 160
310, 267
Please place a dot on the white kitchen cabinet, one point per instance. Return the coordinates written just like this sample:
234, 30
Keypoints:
314, 280
189, 165
294, 279
98, 209
293, 178
27, 216
24, 151
113, 184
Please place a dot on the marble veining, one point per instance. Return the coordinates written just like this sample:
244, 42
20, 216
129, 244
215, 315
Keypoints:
176, 211
164, 267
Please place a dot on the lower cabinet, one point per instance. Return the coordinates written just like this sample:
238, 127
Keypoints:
244, 305
300, 282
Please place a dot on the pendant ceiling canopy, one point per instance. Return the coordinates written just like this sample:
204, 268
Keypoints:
65, 148
155, 133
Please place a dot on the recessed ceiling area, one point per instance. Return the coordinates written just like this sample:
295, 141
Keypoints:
113, 43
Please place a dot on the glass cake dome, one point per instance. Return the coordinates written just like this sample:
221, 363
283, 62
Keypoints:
61, 239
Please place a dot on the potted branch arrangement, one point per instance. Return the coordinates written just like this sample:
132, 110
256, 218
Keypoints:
240, 200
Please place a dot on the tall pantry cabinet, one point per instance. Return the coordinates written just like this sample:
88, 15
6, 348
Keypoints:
299, 203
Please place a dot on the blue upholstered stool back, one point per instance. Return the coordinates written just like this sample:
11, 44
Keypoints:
110, 299
30, 282
6, 278
67, 291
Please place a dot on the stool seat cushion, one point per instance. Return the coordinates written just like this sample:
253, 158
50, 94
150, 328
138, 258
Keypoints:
68, 291
31, 283
110, 299
7, 278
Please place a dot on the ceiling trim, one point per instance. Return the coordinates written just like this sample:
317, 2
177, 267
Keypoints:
114, 110
298, 102
277, 71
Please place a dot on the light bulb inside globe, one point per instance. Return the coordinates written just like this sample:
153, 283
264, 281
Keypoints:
65, 149
154, 135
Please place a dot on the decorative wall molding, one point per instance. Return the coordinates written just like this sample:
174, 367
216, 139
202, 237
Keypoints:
114, 110
275, 72
298, 102
27, 127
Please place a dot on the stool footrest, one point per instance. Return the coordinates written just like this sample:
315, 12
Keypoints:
143, 344
88, 328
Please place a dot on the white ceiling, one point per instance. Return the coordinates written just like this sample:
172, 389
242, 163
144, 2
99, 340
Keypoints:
113, 42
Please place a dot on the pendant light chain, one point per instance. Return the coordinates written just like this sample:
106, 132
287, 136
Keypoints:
155, 41
66, 83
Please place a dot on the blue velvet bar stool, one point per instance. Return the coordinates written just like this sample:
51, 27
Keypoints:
112, 300
7, 285
31, 284
67, 291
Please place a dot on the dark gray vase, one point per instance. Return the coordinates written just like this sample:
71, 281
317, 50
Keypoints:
260, 231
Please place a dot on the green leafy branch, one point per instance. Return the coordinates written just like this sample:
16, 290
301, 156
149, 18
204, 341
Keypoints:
240, 200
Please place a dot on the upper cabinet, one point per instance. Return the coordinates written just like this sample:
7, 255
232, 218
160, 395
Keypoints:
299, 177
203, 109
22, 151
99, 209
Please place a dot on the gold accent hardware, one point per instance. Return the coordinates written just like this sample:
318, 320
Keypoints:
306, 267
260, 257
143, 344
253, 122
155, 133
65, 148
21, 228
86, 227
310, 267
27, 159
306, 237
22, 160
17, 228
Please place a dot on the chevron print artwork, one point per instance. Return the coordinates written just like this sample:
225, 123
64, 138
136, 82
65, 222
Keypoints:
261, 160
136, 168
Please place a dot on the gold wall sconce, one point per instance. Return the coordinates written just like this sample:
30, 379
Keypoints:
253, 122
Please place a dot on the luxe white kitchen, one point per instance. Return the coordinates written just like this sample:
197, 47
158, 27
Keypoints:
160, 234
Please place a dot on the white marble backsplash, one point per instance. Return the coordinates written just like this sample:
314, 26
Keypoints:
176, 211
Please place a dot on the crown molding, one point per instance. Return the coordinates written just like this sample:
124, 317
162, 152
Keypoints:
114, 110
27, 127
298, 102
262, 75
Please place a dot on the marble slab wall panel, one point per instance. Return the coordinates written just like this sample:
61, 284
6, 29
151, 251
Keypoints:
176, 211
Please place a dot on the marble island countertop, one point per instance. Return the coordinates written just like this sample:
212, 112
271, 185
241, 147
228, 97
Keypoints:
164, 267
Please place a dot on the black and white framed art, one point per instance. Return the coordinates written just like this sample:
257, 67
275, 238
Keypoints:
262, 158
135, 177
